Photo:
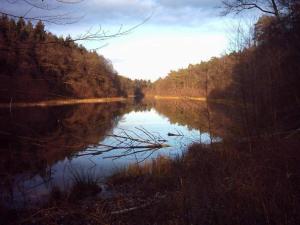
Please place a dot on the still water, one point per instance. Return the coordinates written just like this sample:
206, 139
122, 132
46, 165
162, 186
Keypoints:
42, 147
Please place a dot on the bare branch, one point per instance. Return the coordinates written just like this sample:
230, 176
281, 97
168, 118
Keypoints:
238, 6
129, 144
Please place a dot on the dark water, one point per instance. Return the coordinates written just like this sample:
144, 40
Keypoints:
40, 147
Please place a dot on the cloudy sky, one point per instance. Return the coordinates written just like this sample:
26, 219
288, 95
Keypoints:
179, 32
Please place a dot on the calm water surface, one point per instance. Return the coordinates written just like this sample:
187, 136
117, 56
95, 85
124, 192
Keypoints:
42, 147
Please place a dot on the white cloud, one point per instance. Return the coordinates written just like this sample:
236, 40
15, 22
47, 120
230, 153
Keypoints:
132, 11
190, 3
151, 57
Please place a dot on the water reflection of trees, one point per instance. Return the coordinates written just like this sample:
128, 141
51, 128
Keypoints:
33, 139
194, 115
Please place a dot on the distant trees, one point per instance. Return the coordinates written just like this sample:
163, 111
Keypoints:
134, 87
192, 80
35, 64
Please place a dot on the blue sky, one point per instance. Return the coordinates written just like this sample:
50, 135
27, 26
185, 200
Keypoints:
178, 33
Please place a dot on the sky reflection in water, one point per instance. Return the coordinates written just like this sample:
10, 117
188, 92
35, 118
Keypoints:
84, 124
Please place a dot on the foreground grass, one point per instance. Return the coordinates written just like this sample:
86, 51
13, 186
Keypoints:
248, 183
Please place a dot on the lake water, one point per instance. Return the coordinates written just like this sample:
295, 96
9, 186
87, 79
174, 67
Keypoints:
42, 147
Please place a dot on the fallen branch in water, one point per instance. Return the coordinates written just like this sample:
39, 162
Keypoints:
110, 148
134, 139
178, 134
129, 141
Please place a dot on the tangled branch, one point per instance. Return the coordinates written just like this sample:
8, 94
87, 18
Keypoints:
130, 143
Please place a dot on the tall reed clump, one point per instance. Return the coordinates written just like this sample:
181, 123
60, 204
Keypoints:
85, 183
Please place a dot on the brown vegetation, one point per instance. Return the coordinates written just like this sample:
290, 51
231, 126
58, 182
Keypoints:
222, 184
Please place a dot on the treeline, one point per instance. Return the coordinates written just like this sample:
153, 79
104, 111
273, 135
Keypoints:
135, 87
37, 65
196, 80
262, 78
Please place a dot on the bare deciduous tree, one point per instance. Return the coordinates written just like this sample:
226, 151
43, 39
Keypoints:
274, 7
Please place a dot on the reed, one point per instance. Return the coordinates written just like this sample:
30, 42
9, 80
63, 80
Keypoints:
85, 183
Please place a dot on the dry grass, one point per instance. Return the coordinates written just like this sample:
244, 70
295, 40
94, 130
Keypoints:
60, 102
158, 175
222, 184
242, 185
180, 98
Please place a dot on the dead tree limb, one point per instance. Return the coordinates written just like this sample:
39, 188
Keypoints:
130, 143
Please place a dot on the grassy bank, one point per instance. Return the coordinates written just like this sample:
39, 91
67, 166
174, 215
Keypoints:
178, 98
202, 99
248, 183
61, 102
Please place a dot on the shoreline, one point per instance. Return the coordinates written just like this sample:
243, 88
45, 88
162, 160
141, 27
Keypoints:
178, 98
60, 102
75, 101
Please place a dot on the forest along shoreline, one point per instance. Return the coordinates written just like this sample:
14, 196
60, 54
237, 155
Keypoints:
60, 102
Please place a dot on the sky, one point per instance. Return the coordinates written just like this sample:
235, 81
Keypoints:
176, 33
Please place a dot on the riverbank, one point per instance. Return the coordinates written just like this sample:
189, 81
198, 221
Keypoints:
178, 98
60, 102
74, 101
223, 183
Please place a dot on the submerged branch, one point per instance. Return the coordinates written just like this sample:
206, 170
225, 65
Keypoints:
129, 142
